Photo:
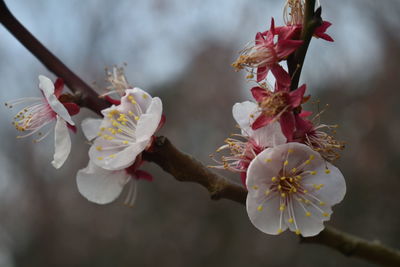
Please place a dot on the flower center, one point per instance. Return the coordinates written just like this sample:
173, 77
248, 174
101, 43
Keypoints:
274, 104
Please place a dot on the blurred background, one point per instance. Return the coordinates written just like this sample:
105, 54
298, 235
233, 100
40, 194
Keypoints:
182, 51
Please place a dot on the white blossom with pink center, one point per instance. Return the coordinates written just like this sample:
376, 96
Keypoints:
126, 130
41, 112
244, 147
292, 186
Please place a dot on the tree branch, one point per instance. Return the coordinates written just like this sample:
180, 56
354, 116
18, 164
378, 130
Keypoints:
312, 19
184, 167
87, 96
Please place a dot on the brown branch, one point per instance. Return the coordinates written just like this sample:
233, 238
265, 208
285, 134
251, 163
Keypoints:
187, 169
184, 167
87, 96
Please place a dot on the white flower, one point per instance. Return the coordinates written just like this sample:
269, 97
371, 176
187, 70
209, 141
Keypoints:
245, 146
103, 186
292, 186
126, 130
43, 111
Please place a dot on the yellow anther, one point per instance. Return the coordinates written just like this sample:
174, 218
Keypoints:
294, 170
298, 177
283, 195
280, 230
99, 148
131, 113
136, 118
130, 97
308, 214
279, 187
102, 129
251, 116
290, 220
112, 156
286, 163
322, 203
267, 192
115, 124
327, 171
125, 142
273, 179
283, 178
144, 96
313, 172
100, 158
294, 189
268, 160
306, 201
119, 130
291, 179
260, 208
312, 157
282, 207
298, 232
290, 150
307, 162
250, 76
325, 214
255, 187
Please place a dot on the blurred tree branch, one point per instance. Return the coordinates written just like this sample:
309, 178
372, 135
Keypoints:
184, 167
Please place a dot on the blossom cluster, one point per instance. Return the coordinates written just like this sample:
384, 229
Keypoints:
117, 140
284, 157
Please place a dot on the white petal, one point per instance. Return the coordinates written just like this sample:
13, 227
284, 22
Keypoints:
90, 128
101, 186
334, 185
266, 219
47, 87
309, 225
62, 143
115, 159
263, 167
148, 122
269, 136
245, 113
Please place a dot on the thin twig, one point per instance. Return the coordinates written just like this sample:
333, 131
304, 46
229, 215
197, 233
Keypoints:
86, 95
184, 167
312, 19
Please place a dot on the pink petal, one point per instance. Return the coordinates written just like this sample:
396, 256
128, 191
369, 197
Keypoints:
162, 122
259, 93
259, 38
305, 113
72, 108
261, 121
286, 47
59, 86
320, 31
139, 174
287, 124
262, 73
281, 76
296, 96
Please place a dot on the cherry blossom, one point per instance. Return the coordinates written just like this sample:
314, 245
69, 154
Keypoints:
244, 147
266, 53
42, 111
126, 130
292, 186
